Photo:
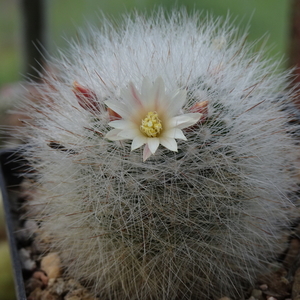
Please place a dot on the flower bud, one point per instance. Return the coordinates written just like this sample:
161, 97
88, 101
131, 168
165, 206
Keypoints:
113, 115
202, 108
87, 99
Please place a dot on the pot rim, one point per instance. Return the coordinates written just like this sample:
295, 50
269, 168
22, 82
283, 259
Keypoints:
9, 161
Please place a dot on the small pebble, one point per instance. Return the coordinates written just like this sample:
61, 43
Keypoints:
80, 294
72, 298
36, 294
48, 296
72, 284
33, 283
50, 264
257, 294
59, 287
76, 293
26, 261
41, 276
51, 282
263, 287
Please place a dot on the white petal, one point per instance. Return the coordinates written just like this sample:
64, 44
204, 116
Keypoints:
129, 133
118, 107
176, 102
153, 144
185, 120
120, 124
113, 135
146, 91
169, 143
174, 133
131, 96
146, 153
138, 141
158, 90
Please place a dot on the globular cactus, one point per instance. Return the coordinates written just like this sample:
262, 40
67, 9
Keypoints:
162, 159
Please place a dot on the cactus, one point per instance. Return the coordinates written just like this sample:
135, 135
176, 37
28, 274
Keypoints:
163, 164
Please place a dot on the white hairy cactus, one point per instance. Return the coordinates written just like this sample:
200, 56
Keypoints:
162, 159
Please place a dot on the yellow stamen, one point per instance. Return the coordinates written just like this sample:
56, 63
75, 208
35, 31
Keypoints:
151, 125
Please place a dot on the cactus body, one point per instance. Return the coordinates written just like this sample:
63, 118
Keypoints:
195, 223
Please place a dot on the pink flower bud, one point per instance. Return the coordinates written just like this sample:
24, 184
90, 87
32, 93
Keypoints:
87, 99
202, 108
113, 115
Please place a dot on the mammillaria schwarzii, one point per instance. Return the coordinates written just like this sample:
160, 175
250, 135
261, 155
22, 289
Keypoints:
163, 159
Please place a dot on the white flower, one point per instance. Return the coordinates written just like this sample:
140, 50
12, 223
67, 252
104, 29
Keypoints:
151, 117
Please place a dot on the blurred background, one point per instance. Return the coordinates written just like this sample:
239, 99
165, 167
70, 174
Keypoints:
267, 20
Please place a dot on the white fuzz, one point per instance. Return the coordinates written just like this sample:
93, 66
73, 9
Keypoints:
159, 224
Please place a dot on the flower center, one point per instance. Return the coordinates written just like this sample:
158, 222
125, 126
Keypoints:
151, 125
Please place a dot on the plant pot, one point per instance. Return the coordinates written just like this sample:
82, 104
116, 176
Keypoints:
10, 166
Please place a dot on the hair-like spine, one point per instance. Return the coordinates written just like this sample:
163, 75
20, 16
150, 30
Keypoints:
195, 223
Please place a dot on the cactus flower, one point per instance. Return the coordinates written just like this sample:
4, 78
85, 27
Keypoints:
150, 117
